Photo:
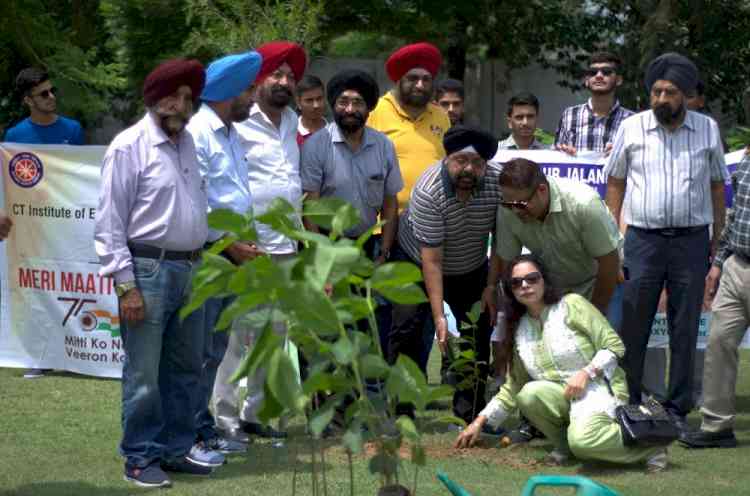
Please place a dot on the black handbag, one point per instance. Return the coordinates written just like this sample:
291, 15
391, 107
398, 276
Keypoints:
647, 424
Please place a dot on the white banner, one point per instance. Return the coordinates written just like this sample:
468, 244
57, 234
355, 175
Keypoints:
57, 312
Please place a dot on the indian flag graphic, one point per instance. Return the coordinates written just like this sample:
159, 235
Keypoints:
100, 320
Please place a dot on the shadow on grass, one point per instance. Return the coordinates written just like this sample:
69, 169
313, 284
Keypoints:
602, 469
262, 458
69, 488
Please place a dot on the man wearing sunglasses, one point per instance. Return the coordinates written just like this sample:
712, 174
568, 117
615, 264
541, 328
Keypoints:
592, 125
565, 223
43, 125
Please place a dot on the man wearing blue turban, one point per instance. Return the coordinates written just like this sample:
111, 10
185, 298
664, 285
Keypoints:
227, 98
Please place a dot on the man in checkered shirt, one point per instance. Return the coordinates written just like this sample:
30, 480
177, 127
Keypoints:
592, 125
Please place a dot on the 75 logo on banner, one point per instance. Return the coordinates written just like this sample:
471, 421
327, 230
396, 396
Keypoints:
90, 320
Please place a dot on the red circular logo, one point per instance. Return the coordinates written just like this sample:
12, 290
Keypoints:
26, 169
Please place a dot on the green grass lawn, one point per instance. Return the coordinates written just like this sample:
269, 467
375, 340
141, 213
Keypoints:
59, 435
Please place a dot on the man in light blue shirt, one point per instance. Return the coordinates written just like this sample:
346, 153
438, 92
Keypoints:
226, 98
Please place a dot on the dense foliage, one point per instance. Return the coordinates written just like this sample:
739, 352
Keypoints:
100, 50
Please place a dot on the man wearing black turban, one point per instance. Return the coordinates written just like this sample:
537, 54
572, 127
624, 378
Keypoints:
667, 170
353, 162
445, 230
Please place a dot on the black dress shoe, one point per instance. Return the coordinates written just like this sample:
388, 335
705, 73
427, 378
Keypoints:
681, 423
706, 439
524, 433
235, 434
260, 430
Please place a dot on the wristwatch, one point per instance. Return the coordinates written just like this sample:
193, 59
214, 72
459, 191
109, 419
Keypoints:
124, 287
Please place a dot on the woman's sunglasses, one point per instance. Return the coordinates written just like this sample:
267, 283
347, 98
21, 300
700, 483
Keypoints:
530, 278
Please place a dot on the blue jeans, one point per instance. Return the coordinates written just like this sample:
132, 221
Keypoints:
214, 348
162, 366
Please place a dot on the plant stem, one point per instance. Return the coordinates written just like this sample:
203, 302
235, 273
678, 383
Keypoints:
351, 472
414, 488
314, 472
294, 470
323, 470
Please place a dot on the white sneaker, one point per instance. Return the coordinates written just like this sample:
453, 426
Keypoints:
202, 455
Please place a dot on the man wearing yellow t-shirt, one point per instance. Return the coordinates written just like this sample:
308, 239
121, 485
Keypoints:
407, 115
416, 125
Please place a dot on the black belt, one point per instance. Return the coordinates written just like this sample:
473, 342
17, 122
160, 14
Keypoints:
672, 232
146, 251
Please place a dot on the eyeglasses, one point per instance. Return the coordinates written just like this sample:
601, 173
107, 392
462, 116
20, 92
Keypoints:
531, 278
47, 93
606, 71
356, 103
521, 204
464, 160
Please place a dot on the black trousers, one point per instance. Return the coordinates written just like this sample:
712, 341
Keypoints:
460, 292
679, 261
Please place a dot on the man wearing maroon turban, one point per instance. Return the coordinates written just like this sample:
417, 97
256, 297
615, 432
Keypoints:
415, 124
269, 138
150, 227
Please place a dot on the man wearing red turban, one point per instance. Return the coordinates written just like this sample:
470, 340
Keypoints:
415, 124
269, 138
150, 228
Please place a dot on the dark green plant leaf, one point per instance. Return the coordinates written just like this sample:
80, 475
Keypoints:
373, 366
199, 296
395, 274
474, 313
343, 350
283, 381
306, 304
407, 429
352, 439
226, 220
383, 464
320, 418
270, 408
264, 347
418, 455
409, 294
437, 393
346, 216
241, 306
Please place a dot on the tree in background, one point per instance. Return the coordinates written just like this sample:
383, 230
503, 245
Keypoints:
67, 38
99, 51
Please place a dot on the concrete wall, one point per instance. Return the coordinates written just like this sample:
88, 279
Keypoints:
489, 85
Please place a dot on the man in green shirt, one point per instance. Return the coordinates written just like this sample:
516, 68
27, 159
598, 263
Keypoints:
565, 223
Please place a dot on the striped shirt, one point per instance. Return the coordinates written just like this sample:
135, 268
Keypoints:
736, 235
579, 127
436, 217
668, 174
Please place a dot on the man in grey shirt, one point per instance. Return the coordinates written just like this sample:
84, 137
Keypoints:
667, 169
353, 162
150, 227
